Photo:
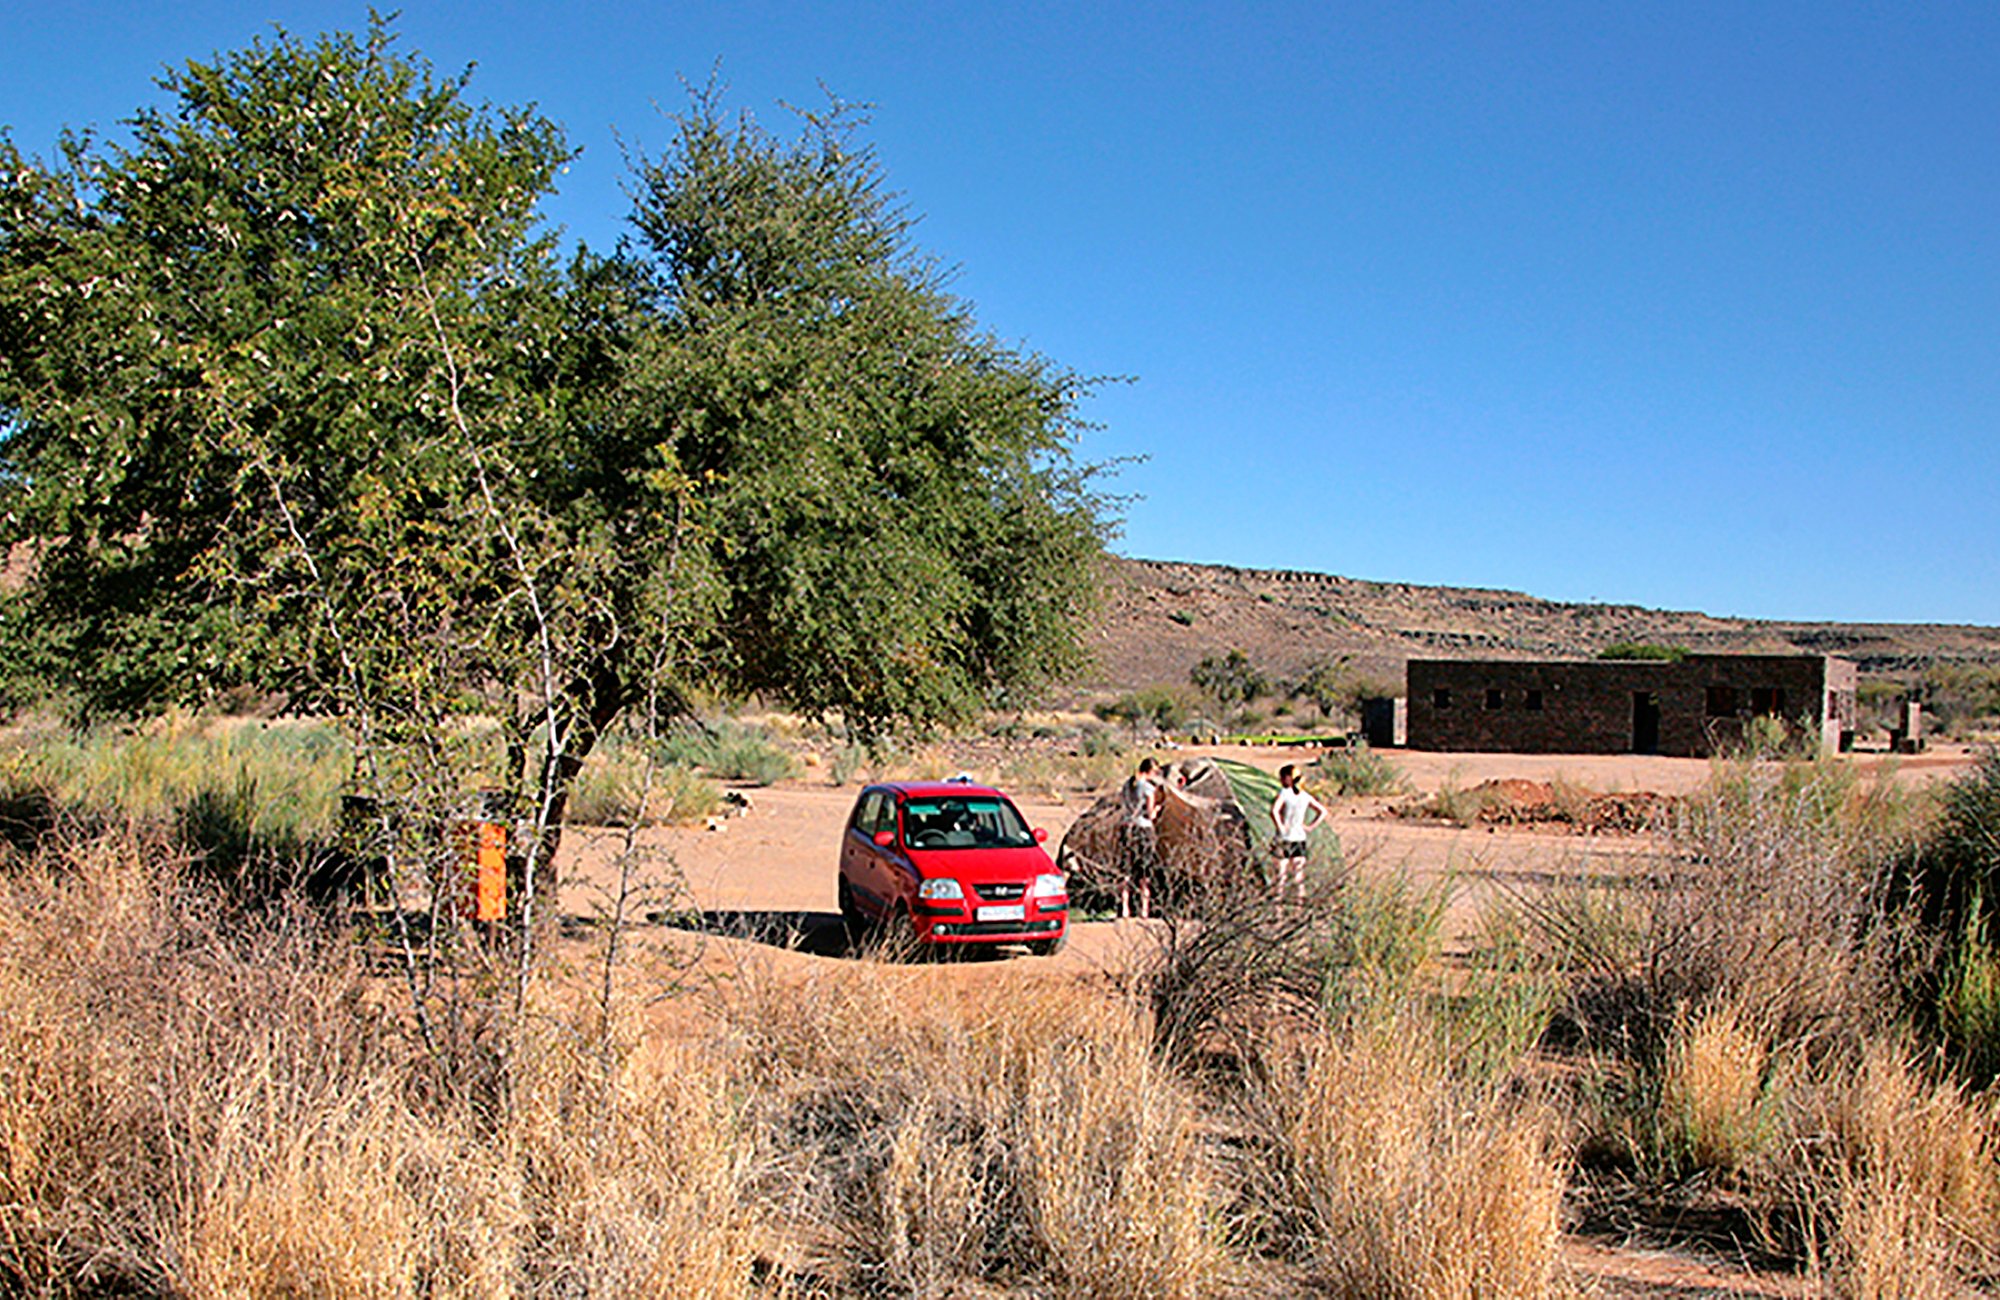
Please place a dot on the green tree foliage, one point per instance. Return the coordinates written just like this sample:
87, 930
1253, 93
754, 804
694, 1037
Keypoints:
295, 393
1229, 679
1672, 654
1960, 695
888, 490
1165, 708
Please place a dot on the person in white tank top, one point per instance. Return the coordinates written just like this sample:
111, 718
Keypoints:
1295, 813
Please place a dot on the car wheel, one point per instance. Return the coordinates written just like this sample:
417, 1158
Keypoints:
1049, 947
850, 909
899, 938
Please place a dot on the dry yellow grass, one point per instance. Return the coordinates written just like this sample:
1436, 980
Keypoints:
218, 1107
1915, 1190
1712, 1090
208, 1103
1415, 1186
1039, 1139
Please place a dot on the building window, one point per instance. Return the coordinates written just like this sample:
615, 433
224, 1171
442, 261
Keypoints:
1495, 699
1532, 702
1722, 702
1768, 701
1441, 698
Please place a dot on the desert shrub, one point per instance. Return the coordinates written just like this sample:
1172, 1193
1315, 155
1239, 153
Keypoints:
1357, 770
1753, 948
1056, 773
618, 787
1163, 708
849, 762
1097, 742
1230, 679
1947, 879
1227, 958
1963, 698
1769, 897
731, 750
1456, 803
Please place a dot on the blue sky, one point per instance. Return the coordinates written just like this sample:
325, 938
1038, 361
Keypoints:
1683, 304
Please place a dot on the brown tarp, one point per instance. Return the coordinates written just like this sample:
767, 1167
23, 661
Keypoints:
1202, 831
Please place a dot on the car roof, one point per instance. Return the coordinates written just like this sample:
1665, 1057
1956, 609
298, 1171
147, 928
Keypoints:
938, 789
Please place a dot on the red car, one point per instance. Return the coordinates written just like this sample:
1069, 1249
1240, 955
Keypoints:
949, 862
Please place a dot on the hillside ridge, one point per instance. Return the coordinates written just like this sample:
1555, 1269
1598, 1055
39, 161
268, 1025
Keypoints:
1160, 617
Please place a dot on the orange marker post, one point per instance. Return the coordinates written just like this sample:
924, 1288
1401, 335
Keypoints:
483, 857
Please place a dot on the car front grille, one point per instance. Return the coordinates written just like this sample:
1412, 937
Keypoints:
1003, 893
985, 929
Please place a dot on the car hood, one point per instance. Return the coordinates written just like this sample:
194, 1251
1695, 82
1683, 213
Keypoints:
982, 865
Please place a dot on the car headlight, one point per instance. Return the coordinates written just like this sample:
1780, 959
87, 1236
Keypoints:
939, 887
1052, 885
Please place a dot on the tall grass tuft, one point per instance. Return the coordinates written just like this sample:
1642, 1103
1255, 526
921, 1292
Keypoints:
296, 770
1407, 1181
618, 787
1713, 1103
1913, 1189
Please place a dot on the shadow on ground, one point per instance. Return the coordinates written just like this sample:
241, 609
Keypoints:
820, 934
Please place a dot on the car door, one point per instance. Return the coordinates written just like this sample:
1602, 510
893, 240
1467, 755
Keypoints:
861, 859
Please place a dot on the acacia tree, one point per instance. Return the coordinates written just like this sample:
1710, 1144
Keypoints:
294, 394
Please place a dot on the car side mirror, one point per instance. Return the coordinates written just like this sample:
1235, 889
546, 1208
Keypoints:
1041, 835
885, 838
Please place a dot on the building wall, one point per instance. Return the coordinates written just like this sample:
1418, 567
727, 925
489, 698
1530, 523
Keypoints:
1702, 703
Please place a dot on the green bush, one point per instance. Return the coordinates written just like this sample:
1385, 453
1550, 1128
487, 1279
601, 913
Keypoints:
1672, 654
1357, 770
616, 789
1948, 882
731, 750
1165, 707
1096, 742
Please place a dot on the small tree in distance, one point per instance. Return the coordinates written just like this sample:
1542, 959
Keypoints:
1229, 679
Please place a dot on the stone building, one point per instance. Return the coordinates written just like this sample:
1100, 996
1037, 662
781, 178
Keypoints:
1692, 707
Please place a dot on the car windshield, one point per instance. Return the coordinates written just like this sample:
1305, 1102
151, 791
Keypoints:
964, 823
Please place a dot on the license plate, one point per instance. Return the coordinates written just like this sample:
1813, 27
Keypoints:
1003, 912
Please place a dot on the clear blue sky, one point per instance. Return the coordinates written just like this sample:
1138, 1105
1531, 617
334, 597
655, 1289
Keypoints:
1694, 305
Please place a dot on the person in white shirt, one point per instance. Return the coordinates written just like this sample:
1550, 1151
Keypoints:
1294, 813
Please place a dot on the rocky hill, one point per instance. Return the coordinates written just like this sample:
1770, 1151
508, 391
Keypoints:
1161, 617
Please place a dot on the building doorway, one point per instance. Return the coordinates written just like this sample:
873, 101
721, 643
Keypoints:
1645, 722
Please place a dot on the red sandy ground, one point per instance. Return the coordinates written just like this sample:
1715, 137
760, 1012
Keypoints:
770, 873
